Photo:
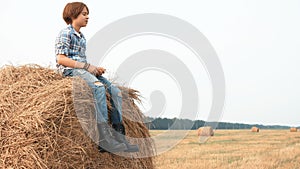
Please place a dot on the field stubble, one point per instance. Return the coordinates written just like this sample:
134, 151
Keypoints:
268, 149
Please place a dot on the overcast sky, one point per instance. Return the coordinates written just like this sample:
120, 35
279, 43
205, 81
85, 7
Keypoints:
257, 42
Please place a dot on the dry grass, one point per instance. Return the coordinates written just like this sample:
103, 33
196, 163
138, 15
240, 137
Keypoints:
229, 149
39, 127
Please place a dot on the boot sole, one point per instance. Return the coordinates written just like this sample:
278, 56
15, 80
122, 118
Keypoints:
132, 150
122, 147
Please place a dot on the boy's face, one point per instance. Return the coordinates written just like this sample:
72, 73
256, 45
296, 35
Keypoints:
82, 18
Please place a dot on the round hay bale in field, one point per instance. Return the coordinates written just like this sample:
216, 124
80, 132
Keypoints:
293, 129
205, 131
39, 127
255, 129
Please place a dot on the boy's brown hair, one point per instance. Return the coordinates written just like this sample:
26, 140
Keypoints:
72, 10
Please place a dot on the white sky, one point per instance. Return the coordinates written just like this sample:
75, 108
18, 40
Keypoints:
257, 42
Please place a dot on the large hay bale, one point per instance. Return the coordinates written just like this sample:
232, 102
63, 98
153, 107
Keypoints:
205, 131
39, 127
255, 129
293, 129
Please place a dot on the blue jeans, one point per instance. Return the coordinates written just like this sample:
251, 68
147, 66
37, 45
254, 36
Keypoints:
99, 85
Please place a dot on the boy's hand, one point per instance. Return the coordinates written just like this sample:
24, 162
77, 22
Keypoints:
97, 71
93, 70
101, 70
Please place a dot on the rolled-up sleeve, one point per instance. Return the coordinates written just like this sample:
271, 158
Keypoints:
62, 43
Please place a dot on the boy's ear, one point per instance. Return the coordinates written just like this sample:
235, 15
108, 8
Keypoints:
68, 20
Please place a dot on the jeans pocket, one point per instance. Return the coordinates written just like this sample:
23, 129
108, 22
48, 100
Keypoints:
78, 72
85, 75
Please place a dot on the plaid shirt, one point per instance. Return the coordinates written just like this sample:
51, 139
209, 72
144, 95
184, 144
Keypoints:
72, 44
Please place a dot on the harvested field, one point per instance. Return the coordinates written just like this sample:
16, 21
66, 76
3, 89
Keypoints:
232, 149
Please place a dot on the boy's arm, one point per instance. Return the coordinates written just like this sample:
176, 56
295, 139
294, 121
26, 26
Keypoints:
65, 61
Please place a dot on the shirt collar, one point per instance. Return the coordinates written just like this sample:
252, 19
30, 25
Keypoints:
79, 34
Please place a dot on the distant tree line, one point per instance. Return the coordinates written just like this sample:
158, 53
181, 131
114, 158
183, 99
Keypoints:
186, 124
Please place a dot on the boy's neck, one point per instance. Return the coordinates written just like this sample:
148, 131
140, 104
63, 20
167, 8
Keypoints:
77, 28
